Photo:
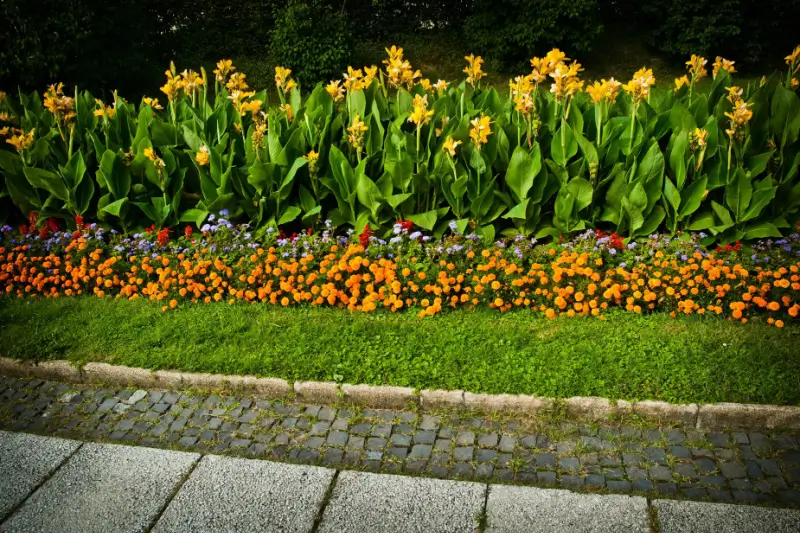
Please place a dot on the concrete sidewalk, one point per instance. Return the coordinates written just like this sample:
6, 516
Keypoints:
63, 486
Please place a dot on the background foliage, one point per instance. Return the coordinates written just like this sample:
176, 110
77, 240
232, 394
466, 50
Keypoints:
120, 44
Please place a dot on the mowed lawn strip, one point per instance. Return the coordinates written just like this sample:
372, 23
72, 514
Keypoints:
626, 356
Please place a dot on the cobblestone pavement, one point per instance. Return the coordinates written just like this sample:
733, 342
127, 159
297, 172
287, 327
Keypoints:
623, 457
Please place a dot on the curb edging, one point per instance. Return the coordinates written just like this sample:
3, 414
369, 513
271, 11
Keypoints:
703, 416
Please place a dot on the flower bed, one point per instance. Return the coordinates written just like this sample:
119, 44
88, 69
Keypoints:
550, 155
585, 276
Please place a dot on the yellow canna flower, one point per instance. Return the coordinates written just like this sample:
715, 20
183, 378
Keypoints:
697, 67
698, 139
445, 120
22, 140
253, 106
59, 105
450, 146
104, 110
312, 156
426, 84
353, 80
286, 108
639, 86
740, 116
152, 102
236, 82
734, 93
794, 83
473, 69
173, 85
420, 115
440, 86
356, 133
151, 154
224, 67
720, 63
191, 81
565, 80
680, 82
792, 58
335, 90
201, 156
369, 75
283, 81
480, 131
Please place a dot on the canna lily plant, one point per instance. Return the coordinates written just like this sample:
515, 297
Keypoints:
556, 155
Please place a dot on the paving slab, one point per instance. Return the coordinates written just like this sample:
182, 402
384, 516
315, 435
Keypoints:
381, 503
694, 517
25, 462
103, 488
511, 509
225, 495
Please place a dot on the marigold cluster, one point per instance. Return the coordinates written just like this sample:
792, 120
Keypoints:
568, 283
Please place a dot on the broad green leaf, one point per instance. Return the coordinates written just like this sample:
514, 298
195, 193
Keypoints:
522, 171
582, 191
677, 158
691, 197
397, 199
761, 230
116, 174
519, 210
638, 197
49, 181
564, 145
425, 220
289, 214
738, 193
115, 207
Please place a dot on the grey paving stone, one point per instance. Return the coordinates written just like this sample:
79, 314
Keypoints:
129, 486
695, 517
421, 451
512, 509
257, 496
337, 438
378, 503
545, 460
400, 440
465, 438
425, 437
618, 486
507, 443
488, 440
464, 453
26, 461
732, 470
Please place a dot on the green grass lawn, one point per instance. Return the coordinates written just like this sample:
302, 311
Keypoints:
626, 356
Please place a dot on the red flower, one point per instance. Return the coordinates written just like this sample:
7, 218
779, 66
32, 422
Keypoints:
365, 235
52, 224
282, 234
76, 235
163, 237
310, 231
406, 224
79, 222
33, 218
23, 229
187, 232
43, 232
151, 229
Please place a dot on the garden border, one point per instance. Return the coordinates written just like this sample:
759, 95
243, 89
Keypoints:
702, 416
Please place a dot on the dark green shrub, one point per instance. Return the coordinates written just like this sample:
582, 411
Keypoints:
748, 31
311, 38
512, 31
96, 44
